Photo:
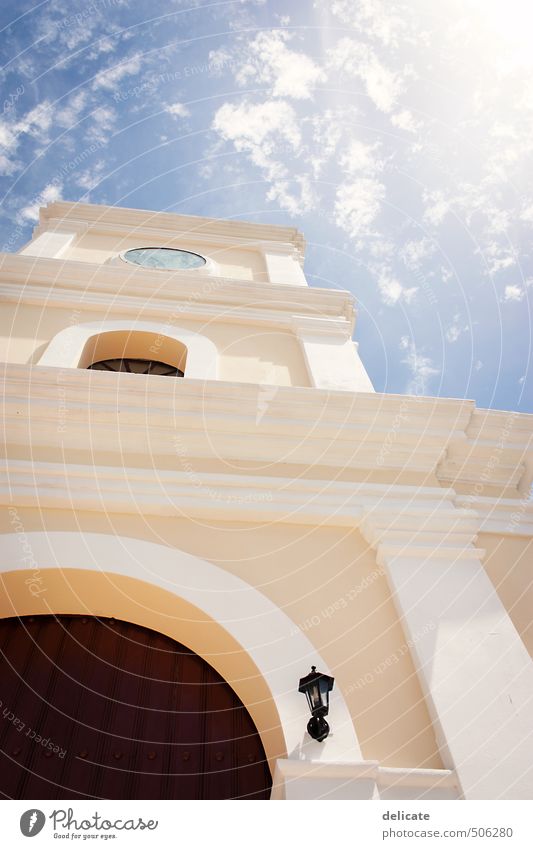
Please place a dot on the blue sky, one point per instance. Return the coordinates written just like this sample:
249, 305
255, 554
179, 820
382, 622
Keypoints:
397, 135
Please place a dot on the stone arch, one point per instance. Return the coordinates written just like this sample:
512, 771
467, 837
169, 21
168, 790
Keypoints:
80, 344
251, 643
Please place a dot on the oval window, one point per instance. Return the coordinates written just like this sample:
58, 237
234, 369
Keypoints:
171, 259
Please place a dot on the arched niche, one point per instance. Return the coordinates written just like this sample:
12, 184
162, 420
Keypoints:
79, 345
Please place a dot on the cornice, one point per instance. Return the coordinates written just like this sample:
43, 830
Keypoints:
245, 497
495, 457
126, 290
502, 516
159, 236
160, 224
226, 420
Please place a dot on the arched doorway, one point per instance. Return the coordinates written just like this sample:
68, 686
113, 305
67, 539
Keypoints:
97, 707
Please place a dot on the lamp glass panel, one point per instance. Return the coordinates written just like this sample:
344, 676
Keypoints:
314, 696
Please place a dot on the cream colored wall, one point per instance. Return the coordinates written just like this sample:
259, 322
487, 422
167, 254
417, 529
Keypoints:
508, 562
231, 262
327, 581
247, 354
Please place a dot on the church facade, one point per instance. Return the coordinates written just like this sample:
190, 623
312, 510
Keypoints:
204, 497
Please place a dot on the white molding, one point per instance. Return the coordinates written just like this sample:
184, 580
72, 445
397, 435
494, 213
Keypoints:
217, 419
360, 780
310, 426
23, 279
227, 496
109, 304
502, 516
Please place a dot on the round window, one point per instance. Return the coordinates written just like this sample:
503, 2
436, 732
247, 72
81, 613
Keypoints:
171, 259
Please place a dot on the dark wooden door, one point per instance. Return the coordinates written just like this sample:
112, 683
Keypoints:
105, 709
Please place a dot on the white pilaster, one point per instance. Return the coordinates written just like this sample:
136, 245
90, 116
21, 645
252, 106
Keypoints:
473, 667
282, 265
333, 362
49, 244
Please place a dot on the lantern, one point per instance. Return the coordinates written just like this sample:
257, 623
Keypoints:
317, 688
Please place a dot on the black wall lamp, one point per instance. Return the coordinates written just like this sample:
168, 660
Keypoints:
317, 688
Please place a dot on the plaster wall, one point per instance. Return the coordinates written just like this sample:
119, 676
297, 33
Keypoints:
234, 262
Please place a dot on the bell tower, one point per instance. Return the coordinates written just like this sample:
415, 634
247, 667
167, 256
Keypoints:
237, 289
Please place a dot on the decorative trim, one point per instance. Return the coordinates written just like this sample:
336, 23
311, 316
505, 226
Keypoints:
239, 421
502, 516
28, 279
134, 413
361, 780
118, 489
119, 219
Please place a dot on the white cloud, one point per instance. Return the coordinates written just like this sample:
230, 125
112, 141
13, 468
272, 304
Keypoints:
422, 368
103, 45
49, 194
446, 274
386, 21
513, 293
269, 60
361, 157
109, 77
456, 329
358, 204
497, 257
8, 137
103, 121
296, 196
405, 120
391, 290
34, 124
356, 59
260, 130
8, 166
90, 178
37, 121
437, 207
415, 251
178, 110
328, 131
69, 115
527, 214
